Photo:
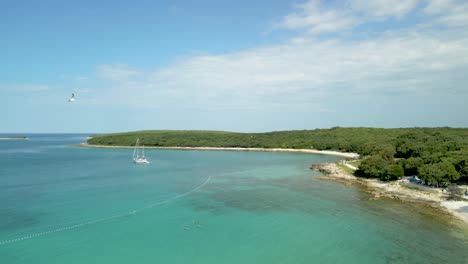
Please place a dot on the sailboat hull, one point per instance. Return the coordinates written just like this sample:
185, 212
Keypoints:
141, 161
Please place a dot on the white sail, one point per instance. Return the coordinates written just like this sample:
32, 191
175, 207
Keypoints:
136, 154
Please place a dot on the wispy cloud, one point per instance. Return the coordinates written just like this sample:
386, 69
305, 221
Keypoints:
82, 78
450, 12
296, 74
438, 6
318, 17
315, 18
306, 71
24, 88
116, 72
382, 9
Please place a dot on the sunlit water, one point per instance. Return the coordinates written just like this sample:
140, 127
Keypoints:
64, 204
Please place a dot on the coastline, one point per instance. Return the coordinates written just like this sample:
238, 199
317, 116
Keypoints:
310, 151
14, 138
395, 190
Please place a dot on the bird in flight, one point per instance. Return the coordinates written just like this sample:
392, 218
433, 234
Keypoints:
72, 98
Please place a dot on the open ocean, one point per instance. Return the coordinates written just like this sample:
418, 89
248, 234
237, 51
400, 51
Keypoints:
65, 204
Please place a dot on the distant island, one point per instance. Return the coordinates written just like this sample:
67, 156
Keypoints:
14, 138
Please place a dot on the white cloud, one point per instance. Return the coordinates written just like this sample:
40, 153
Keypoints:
305, 72
116, 72
317, 19
453, 14
299, 75
448, 12
384, 8
438, 6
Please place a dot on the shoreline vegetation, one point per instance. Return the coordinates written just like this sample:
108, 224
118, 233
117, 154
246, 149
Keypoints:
436, 157
14, 138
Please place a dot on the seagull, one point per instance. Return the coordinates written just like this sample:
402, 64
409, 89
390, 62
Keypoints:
72, 98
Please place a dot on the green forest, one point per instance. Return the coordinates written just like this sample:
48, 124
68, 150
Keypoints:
436, 155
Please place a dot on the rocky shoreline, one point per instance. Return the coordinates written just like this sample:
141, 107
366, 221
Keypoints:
396, 190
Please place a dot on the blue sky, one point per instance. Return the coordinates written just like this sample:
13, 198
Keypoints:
232, 65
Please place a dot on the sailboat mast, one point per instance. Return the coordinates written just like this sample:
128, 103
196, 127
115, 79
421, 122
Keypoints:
135, 151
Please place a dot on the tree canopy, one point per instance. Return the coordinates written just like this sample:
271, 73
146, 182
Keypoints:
435, 154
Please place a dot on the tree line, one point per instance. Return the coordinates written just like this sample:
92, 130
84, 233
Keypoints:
436, 155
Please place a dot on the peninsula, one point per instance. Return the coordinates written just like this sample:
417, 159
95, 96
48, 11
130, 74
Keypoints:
14, 138
437, 157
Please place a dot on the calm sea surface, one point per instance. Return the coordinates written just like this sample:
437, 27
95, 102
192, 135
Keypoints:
64, 204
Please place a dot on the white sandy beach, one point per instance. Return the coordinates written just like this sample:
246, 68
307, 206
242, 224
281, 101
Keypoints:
311, 151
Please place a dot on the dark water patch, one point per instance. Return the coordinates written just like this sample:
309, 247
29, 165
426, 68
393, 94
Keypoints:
11, 219
261, 200
347, 208
405, 224
254, 194
220, 197
200, 204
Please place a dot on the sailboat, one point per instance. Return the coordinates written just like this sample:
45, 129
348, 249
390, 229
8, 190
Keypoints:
137, 158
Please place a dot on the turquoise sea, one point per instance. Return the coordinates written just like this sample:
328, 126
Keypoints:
65, 204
